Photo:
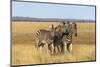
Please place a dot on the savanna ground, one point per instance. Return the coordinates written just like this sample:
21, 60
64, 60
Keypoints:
24, 51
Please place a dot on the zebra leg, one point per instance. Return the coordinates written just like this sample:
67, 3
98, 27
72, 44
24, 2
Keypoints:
40, 44
69, 47
54, 50
49, 47
58, 48
62, 47
65, 46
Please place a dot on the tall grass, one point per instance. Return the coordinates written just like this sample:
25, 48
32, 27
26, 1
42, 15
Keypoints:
24, 51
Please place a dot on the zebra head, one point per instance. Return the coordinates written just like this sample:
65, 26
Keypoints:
44, 36
63, 28
69, 27
74, 28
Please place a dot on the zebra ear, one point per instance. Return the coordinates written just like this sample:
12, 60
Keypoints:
52, 27
76, 34
75, 25
75, 28
63, 23
69, 22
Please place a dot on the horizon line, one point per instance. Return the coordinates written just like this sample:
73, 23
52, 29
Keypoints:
49, 19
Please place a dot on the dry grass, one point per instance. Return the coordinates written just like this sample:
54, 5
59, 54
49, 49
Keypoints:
28, 54
24, 52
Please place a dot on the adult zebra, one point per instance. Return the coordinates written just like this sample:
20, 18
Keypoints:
67, 36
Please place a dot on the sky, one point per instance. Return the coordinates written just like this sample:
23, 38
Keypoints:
44, 10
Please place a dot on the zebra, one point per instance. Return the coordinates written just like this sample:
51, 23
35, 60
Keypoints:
45, 37
72, 29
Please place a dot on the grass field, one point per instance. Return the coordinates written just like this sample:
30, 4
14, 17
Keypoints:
24, 51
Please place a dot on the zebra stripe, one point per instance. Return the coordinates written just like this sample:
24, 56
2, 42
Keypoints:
38, 32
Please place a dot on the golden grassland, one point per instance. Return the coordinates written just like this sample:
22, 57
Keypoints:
24, 51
